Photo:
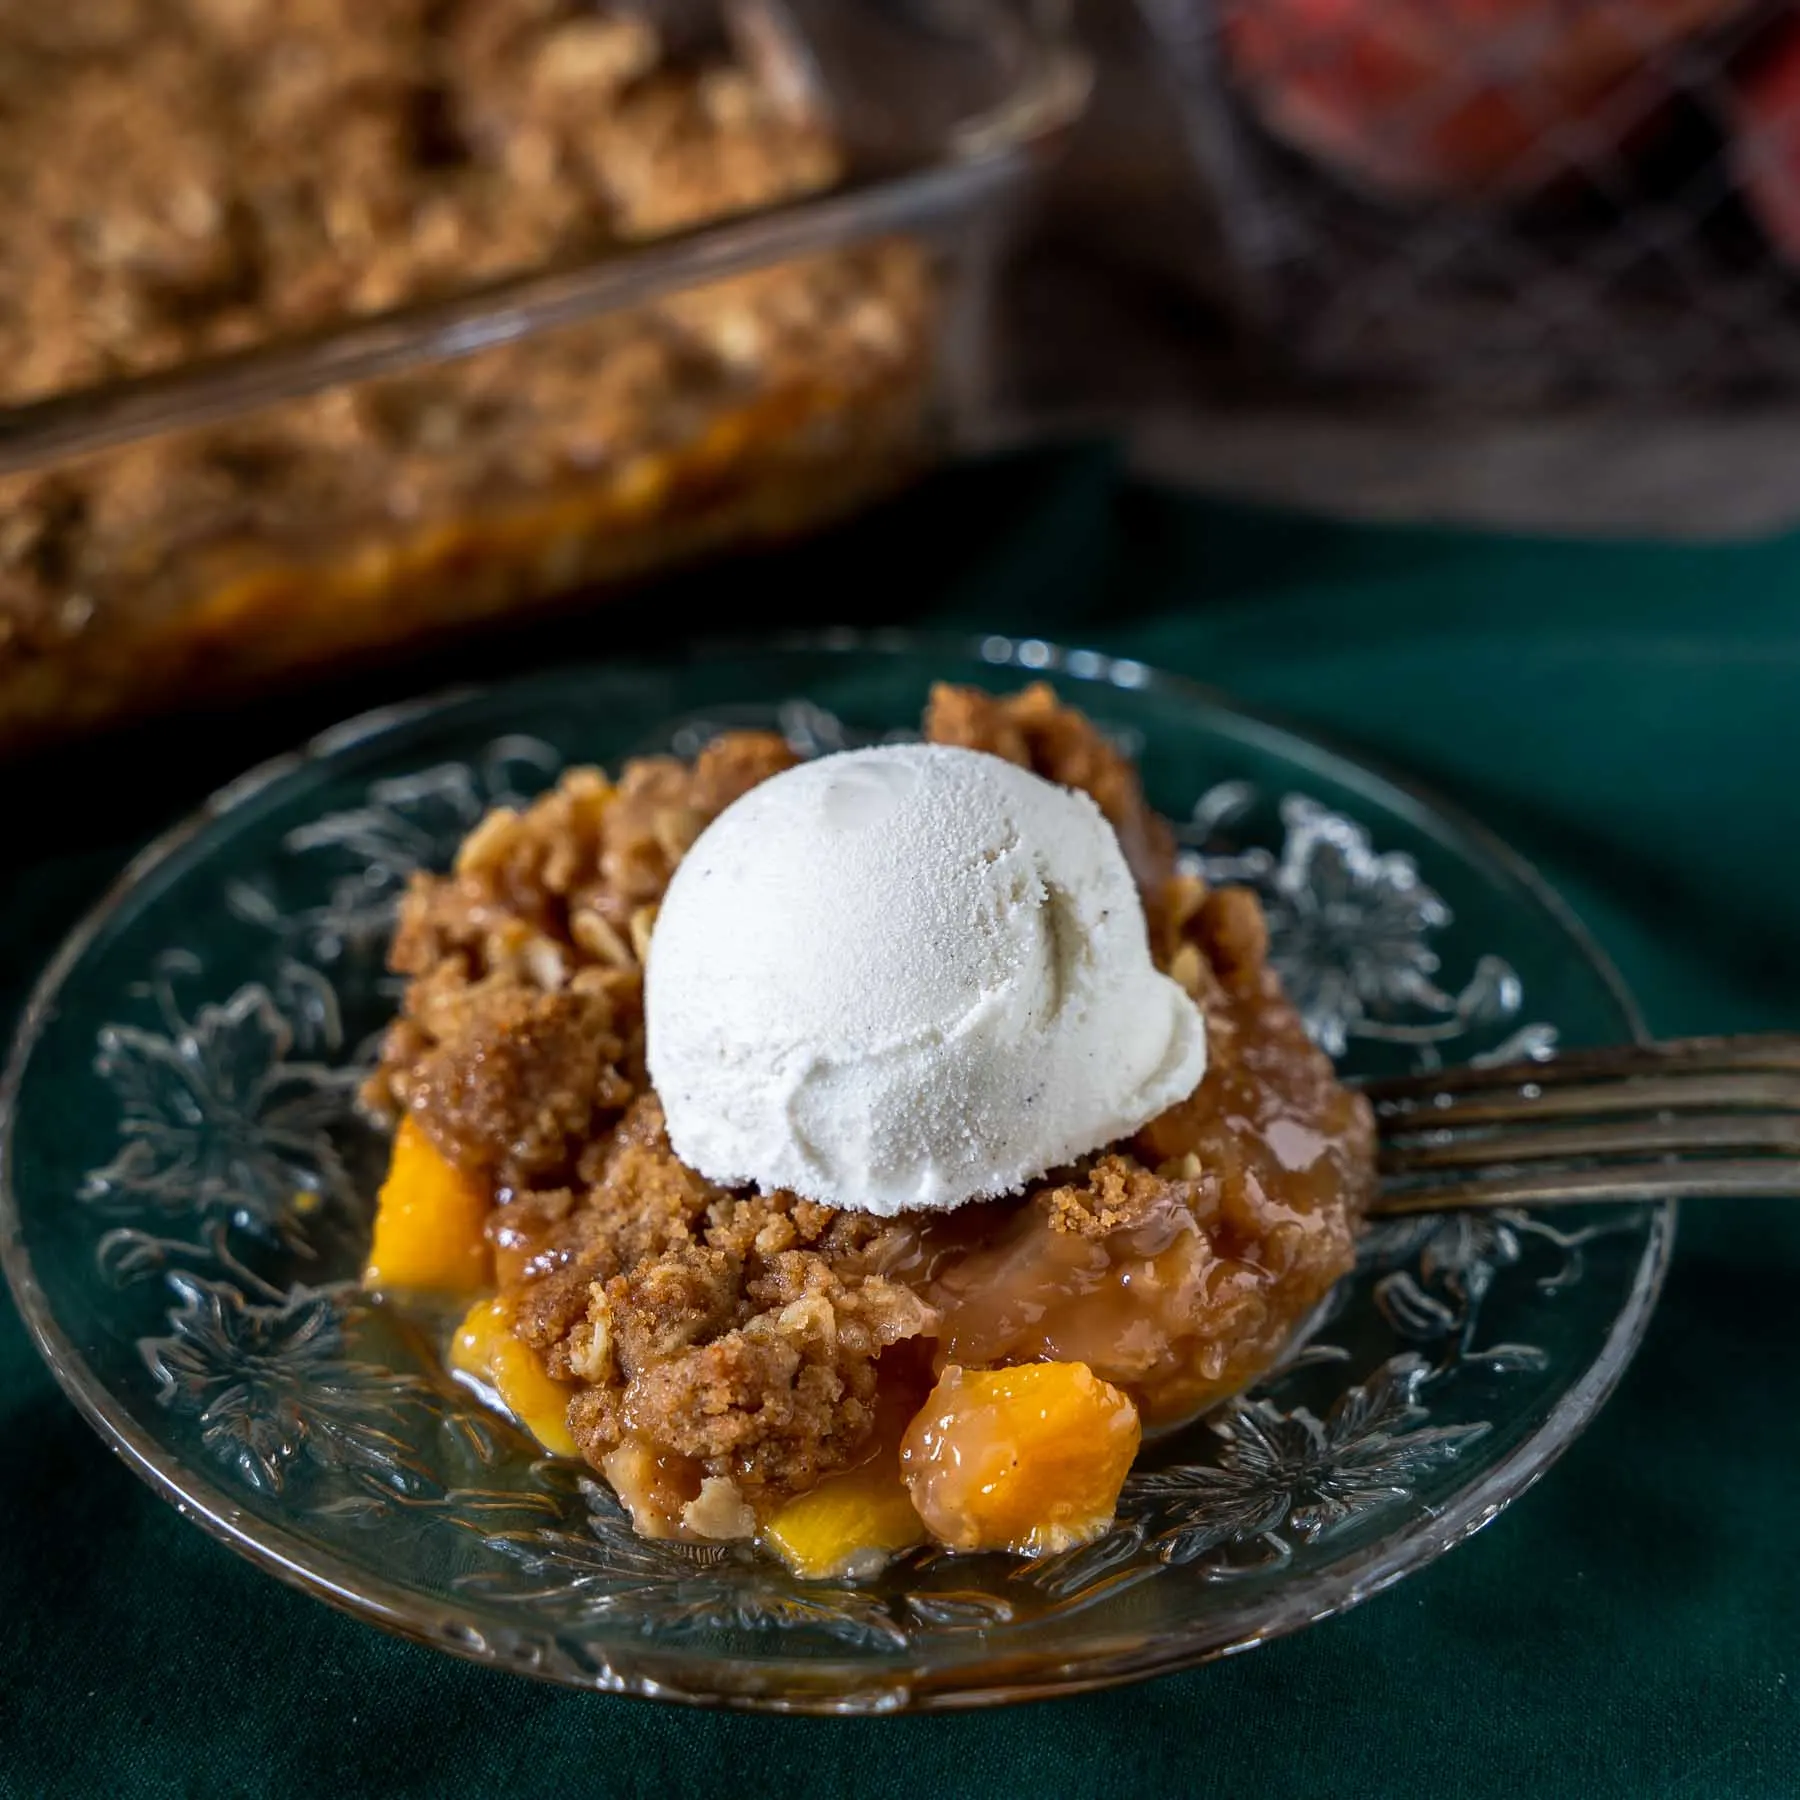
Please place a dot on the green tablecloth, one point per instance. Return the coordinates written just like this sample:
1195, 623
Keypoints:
1629, 716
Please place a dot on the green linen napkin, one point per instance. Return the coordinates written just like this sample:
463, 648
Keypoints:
1629, 716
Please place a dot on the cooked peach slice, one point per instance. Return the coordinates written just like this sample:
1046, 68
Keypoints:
485, 1348
428, 1223
1028, 1459
849, 1525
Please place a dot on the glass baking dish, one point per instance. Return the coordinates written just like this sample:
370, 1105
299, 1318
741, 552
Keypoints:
781, 313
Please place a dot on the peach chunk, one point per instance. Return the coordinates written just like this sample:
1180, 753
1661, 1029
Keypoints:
849, 1525
484, 1347
428, 1223
1028, 1459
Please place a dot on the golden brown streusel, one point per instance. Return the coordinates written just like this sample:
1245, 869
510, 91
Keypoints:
187, 178
521, 1039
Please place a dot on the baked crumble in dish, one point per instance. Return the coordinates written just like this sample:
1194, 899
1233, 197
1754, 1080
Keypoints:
838, 1384
180, 179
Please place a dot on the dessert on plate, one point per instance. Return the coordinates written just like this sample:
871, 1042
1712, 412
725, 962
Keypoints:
862, 1153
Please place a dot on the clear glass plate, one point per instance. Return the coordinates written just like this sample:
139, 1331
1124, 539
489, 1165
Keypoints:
187, 1190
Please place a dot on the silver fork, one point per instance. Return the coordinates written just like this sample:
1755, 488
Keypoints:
1691, 1116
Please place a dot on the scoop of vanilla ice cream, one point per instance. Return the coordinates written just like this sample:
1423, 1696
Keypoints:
908, 977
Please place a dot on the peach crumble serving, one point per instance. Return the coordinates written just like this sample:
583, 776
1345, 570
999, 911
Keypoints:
862, 1153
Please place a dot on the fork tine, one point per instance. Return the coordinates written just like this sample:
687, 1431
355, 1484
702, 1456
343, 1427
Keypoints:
1750, 1090
1717, 1133
1776, 1052
1763, 1179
